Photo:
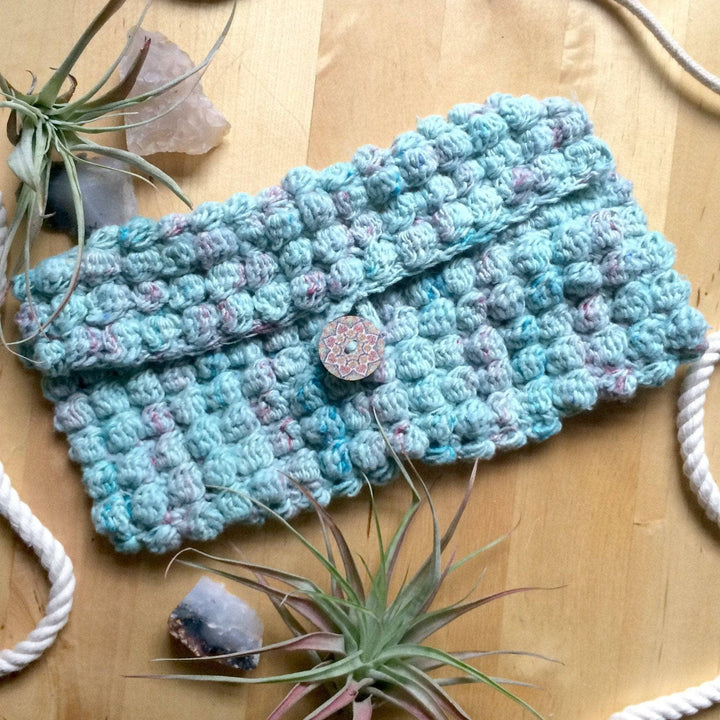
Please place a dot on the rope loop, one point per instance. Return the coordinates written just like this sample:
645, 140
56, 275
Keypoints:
691, 435
59, 568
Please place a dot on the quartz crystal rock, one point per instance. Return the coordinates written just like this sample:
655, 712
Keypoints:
107, 193
211, 621
194, 127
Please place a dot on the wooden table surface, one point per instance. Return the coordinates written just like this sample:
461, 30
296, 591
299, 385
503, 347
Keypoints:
602, 510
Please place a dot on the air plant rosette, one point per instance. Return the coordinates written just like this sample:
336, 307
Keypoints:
52, 124
364, 640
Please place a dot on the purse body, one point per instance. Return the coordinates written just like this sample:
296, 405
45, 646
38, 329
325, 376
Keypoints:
503, 261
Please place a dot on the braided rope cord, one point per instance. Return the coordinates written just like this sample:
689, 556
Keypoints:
60, 573
691, 435
670, 45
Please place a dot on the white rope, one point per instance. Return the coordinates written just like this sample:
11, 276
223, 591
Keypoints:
671, 45
691, 434
50, 552
60, 572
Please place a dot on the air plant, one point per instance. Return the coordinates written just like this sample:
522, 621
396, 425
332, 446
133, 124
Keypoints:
365, 642
52, 123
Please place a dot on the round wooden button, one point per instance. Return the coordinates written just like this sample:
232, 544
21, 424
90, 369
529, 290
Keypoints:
351, 347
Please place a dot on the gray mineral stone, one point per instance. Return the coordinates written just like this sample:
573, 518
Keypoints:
211, 621
107, 193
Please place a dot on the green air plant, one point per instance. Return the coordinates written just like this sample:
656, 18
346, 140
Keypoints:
366, 642
51, 123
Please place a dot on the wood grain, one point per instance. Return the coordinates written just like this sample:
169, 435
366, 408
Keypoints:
602, 511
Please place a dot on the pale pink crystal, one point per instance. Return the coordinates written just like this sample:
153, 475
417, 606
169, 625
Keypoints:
194, 127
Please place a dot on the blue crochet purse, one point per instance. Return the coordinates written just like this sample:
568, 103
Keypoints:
492, 275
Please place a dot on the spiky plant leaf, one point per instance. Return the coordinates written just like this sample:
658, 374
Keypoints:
366, 644
431, 653
341, 699
344, 667
317, 642
418, 711
351, 571
303, 606
50, 91
298, 692
430, 623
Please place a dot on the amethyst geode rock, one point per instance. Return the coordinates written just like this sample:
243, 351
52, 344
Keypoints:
210, 621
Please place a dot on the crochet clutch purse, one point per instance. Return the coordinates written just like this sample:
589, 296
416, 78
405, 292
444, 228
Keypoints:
483, 278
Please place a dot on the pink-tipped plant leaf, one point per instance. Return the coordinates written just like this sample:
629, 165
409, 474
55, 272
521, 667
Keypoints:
433, 621
316, 641
362, 709
291, 622
328, 671
292, 579
392, 697
452, 527
484, 548
448, 705
301, 605
450, 661
341, 699
297, 693
425, 585
351, 571
466, 680
330, 567
433, 594
402, 678
413, 596
398, 539
377, 597
335, 587
427, 665
400, 464
374, 520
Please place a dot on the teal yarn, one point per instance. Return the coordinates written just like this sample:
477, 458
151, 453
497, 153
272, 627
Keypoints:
506, 263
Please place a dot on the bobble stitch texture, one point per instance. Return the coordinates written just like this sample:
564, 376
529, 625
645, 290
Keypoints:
506, 264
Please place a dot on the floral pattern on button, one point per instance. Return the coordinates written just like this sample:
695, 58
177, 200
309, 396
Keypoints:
351, 348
